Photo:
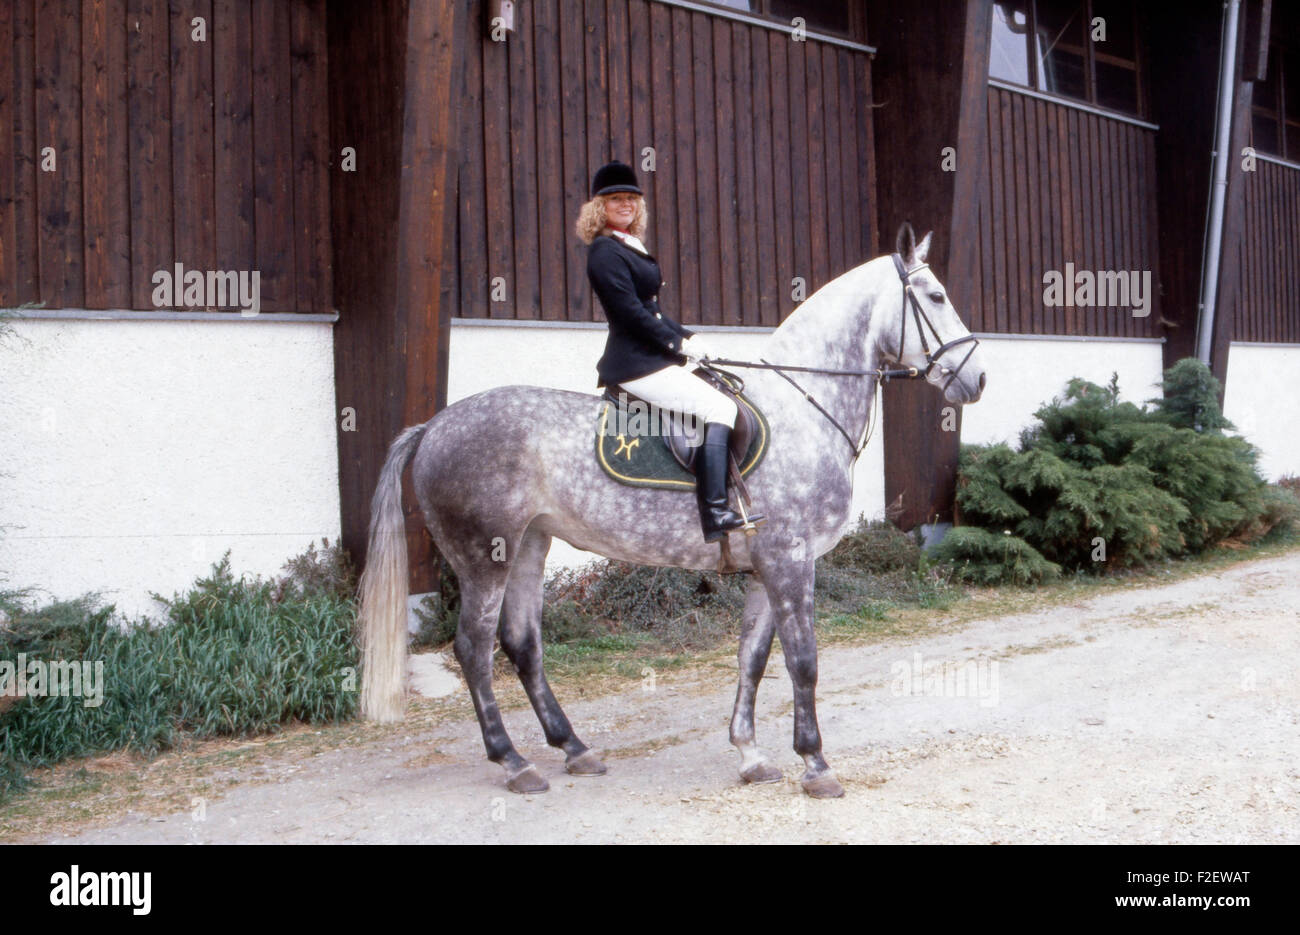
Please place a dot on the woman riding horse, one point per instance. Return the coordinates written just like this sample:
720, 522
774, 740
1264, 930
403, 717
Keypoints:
647, 352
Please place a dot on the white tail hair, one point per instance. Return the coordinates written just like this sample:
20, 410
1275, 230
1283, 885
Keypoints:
381, 620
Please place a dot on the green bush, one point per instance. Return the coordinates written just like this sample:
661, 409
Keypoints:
236, 657
986, 558
1144, 484
875, 547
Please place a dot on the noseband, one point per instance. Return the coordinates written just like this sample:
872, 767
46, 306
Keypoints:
918, 313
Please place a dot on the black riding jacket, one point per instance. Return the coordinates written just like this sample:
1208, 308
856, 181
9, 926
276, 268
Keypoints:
641, 338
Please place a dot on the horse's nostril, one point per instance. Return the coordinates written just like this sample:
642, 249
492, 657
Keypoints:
981, 383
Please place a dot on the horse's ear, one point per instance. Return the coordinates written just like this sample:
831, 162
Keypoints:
905, 242
923, 248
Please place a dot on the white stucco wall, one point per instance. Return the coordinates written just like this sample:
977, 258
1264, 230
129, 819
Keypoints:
488, 354
1259, 398
1025, 371
134, 453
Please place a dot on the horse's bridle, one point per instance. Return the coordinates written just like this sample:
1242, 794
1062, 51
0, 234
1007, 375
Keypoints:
918, 314
881, 374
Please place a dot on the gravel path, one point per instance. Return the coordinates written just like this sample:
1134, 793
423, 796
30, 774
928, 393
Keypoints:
1167, 714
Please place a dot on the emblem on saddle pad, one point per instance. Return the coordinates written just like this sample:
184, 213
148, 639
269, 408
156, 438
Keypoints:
623, 423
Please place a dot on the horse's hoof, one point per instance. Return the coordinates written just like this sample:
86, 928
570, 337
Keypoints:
761, 773
825, 786
528, 780
585, 763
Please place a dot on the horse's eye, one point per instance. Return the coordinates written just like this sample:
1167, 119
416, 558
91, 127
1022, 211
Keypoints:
936, 297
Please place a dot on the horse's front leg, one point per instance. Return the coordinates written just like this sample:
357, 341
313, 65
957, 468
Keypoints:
757, 628
790, 590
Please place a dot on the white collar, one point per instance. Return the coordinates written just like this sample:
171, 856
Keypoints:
631, 240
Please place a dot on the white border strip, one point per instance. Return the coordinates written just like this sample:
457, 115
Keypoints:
1070, 102
116, 314
725, 13
1278, 344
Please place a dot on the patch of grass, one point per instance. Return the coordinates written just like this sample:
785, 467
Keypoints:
236, 657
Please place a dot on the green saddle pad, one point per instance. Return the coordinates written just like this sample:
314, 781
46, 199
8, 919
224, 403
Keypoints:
645, 461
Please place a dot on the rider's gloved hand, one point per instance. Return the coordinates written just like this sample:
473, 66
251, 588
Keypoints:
695, 349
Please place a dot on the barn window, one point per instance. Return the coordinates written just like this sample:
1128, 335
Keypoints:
1082, 49
1275, 107
829, 16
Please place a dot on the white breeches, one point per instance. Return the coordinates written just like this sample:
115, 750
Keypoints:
678, 388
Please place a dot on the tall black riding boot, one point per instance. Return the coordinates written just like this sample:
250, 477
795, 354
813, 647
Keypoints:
716, 516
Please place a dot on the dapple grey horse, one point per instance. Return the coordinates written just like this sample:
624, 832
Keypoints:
499, 474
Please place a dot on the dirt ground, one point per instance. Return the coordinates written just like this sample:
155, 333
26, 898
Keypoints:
1164, 714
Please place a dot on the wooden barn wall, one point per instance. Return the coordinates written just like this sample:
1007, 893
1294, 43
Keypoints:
1063, 185
213, 154
752, 133
1267, 306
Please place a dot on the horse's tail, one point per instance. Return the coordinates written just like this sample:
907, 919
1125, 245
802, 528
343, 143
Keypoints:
382, 617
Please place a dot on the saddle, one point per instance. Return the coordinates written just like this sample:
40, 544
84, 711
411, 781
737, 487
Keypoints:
641, 445
684, 436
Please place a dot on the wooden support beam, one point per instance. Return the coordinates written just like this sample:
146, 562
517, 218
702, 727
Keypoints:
930, 80
394, 80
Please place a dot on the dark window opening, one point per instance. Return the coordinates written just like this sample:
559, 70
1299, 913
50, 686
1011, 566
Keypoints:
1275, 106
1083, 49
838, 17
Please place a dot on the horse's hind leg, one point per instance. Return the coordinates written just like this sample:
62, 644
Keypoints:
521, 638
483, 587
757, 627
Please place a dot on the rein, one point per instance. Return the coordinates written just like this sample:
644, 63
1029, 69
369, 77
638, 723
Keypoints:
880, 374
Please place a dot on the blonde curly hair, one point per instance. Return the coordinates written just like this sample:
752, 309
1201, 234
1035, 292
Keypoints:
591, 219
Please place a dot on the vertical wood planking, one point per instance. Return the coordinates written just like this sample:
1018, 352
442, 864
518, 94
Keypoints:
573, 117
311, 158
192, 125
9, 100
667, 166
800, 172
1034, 172
641, 63
58, 126
273, 210
555, 235
814, 114
867, 147
834, 195
769, 306
472, 205
149, 115
747, 232
525, 299
105, 167
727, 291
232, 85
851, 171
738, 116
782, 183
620, 94
687, 246
706, 163
498, 192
